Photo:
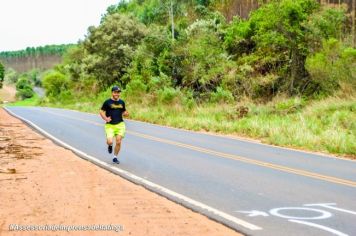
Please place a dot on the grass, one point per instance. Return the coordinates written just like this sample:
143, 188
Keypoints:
34, 101
327, 125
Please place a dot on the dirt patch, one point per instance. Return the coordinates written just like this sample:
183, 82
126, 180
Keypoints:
7, 94
45, 185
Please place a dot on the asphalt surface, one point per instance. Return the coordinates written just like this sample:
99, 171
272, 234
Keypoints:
40, 91
281, 191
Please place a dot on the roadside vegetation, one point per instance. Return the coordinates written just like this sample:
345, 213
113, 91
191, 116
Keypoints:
2, 74
285, 75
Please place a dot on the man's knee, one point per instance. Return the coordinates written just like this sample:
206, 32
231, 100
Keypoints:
118, 139
109, 141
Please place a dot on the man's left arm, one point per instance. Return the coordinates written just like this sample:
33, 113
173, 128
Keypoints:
125, 113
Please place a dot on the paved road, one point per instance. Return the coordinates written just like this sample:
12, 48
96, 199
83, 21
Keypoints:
272, 191
40, 91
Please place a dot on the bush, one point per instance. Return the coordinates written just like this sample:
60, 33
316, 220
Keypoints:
135, 89
187, 99
221, 95
66, 97
330, 67
24, 88
24, 93
167, 95
158, 82
54, 83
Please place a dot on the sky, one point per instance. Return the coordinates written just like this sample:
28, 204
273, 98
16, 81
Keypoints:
33, 23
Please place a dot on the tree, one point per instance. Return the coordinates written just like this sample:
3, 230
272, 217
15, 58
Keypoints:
109, 48
201, 58
276, 38
2, 74
279, 27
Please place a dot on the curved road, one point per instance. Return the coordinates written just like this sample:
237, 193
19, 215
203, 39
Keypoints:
254, 188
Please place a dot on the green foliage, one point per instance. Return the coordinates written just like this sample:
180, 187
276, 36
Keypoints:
11, 76
24, 88
188, 100
259, 57
157, 82
289, 105
2, 74
32, 101
66, 97
34, 77
154, 11
37, 51
325, 24
278, 29
332, 66
221, 95
110, 47
197, 63
238, 37
54, 83
135, 90
203, 2
275, 42
167, 95
146, 62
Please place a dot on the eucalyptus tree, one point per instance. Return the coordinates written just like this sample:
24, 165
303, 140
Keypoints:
109, 48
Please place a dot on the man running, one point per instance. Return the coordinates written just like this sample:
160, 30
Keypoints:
112, 111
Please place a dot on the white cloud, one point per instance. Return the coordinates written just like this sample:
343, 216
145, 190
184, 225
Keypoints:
31, 23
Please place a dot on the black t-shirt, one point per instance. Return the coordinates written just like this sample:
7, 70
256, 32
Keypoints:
114, 109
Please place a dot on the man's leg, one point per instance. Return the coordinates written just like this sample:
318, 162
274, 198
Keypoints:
117, 145
109, 141
109, 136
119, 134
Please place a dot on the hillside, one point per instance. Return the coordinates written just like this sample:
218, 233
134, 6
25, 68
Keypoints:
42, 58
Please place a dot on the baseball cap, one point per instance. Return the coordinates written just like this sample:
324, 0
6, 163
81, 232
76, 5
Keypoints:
115, 88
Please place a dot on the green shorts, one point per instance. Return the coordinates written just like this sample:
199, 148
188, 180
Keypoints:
114, 130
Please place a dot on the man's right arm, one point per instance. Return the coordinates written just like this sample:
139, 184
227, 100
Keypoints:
104, 117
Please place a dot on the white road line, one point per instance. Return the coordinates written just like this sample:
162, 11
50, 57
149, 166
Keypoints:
333, 231
330, 206
324, 214
142, 181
